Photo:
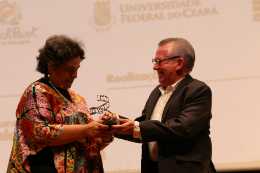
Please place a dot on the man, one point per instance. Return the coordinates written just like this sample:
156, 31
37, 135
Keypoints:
174, 126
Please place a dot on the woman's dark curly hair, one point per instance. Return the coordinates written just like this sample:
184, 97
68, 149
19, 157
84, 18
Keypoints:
57, 50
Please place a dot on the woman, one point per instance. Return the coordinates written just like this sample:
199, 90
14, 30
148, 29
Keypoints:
54, 132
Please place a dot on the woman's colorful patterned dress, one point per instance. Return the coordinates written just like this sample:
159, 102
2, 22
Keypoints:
41, 116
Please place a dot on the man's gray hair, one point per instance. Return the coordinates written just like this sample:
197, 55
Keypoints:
181, 48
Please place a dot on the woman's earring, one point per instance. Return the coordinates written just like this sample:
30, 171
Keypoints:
49, 75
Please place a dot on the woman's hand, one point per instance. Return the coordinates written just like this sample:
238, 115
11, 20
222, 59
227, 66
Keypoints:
97, 130
108, 136
105, 140
108, 116
75, 132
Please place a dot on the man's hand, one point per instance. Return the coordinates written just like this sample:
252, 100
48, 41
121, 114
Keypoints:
126, 128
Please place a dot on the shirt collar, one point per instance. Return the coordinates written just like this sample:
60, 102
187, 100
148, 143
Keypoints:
170, 88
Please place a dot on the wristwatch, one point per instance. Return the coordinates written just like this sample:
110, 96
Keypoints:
111, 140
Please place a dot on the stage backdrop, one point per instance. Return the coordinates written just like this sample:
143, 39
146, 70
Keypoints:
121, 38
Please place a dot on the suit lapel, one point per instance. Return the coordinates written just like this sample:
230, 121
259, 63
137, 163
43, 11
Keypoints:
180, 87
153, 100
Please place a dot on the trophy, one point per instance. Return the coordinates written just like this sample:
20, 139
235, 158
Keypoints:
103, 108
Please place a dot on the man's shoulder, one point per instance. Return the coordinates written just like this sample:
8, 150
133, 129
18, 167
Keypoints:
196, 86
196, 82
189, 81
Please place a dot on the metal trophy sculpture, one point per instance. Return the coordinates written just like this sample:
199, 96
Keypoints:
103, 108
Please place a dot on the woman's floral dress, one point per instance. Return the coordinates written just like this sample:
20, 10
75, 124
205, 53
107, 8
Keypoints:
41, 115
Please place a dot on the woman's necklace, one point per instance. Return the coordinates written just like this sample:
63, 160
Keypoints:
81, 115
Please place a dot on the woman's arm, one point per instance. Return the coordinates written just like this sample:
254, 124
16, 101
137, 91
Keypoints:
106, 140
72, 133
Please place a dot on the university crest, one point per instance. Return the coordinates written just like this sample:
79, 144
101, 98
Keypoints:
102, 19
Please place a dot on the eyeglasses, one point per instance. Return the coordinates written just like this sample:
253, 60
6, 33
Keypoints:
159, 61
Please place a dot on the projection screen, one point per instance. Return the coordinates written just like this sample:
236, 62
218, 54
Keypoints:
121, 38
